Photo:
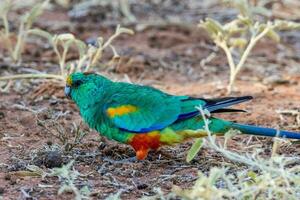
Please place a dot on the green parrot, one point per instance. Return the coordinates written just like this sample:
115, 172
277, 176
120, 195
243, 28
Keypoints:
147, 118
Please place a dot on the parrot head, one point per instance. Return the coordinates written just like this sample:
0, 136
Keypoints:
78, 84
74, 81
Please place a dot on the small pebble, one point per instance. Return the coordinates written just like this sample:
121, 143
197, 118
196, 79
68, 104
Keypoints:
142, 186
2, 115
53, 159
7, 177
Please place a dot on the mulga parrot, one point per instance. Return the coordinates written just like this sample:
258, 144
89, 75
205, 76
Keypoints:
147, 118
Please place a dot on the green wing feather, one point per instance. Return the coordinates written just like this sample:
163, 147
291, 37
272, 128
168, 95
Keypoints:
189, 104
154, 109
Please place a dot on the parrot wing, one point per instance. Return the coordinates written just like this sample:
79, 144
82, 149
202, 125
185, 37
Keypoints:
141, 109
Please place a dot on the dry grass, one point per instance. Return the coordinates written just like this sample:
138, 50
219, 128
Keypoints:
239, 36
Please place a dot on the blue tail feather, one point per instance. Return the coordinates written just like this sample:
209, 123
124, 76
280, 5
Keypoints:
262, 131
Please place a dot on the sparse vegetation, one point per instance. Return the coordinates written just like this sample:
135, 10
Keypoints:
89, 55
15, 49
239, 36
68, 140
68, 175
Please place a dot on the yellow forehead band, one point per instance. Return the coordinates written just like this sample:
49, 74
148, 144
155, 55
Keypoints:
69, 81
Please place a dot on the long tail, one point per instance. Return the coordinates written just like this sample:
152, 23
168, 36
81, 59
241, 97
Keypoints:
262, 131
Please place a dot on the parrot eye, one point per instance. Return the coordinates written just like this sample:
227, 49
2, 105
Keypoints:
77, 83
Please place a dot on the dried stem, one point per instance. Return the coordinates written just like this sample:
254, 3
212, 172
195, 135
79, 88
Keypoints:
31, 76
254, 39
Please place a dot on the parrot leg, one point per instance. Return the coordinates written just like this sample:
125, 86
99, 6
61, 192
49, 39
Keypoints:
141, 153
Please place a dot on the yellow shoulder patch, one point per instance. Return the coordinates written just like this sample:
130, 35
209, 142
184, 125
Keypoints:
69, 81
121, 110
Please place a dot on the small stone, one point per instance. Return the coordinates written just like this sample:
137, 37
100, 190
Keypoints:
7, 177
13, 181
2, 115
53, 159
49, 143
142, 186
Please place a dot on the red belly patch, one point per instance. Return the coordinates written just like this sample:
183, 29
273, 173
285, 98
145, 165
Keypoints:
142, 143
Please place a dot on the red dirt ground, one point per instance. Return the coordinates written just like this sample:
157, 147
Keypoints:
33, 112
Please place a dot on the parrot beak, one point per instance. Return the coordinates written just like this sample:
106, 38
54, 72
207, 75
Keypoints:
68, 91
